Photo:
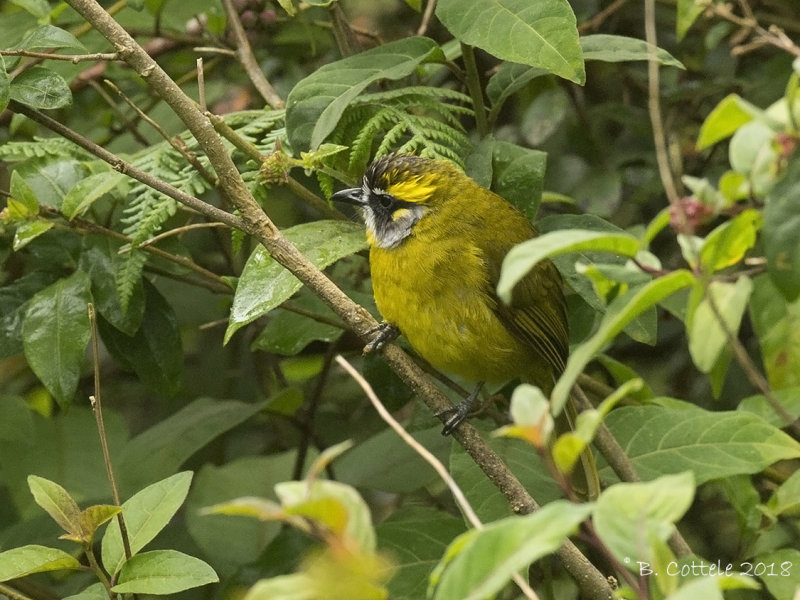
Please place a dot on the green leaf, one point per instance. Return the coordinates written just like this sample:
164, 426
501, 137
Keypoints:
155, 351
649, 509
479, 563
707, 338
49, 36
297, 586
160, 450
618, 316
781, 224
93, 517
786, 499
88, 191
29, 231
753, 152
57, 502
55, 334
777, 324
42, 88
618, 48
51, 180
523, 257
20, 562
728, 116
539, 34
316, 103
38, 8
416, 538
146, 514
265, 284
163, 572
681, 437
727, 244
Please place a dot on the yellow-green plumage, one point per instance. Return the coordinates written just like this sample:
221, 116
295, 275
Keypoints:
438, 288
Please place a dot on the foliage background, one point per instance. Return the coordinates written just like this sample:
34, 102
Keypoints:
251, 406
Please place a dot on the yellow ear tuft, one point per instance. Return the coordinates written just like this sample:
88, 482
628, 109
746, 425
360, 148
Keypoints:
414, 188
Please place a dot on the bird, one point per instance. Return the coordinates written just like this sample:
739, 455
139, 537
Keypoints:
436, 241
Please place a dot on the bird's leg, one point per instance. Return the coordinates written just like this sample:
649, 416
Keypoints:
385, 333
459, 412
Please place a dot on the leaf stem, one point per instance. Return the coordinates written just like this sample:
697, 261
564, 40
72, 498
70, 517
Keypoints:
473, 81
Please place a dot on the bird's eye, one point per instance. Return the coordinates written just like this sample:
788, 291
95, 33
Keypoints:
385, 200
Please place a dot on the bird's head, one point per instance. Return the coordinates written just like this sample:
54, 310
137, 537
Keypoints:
396, 192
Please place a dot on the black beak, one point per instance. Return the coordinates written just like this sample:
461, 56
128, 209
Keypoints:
351, 196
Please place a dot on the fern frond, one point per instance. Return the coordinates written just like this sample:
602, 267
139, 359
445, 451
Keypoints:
42, 148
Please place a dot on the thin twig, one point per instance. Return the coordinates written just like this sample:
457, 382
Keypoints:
244, 53
654, 107
97, 408
426, 17
73, 58
177, 231
129, 124
597, 20
13, 594
458, 494
201, 84
750, 370
175, 141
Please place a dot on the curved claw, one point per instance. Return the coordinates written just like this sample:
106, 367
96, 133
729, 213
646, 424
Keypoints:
459, 412
385, 333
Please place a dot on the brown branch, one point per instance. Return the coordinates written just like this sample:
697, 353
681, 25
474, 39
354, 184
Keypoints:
597, 20
73, 58
244, 53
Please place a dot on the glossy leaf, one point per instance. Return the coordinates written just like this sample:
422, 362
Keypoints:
478, 564
618, 48
615, 320
265, 284
539, 34
650, 509
681, 437
163, 572
146, 514
55, 334
781, 224
316, 103
730, 114
22, 192
777, 324
57, 502
42, 88
287, 332
96, 591
26, 560
523, 257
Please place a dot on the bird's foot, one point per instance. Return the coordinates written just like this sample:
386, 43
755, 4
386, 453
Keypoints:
384, 333
457, 414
